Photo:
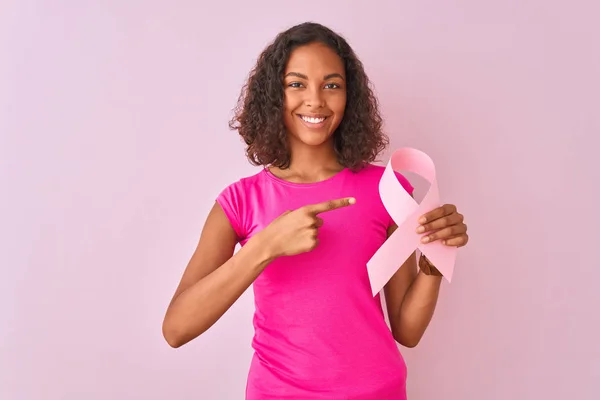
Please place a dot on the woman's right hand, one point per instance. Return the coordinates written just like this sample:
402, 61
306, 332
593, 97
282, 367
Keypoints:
295, 232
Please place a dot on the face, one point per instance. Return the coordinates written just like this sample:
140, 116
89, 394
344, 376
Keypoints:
315, 94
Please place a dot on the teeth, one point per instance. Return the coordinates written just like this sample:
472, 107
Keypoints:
313, 120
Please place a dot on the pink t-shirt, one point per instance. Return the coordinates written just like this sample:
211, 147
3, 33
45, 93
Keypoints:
319, 333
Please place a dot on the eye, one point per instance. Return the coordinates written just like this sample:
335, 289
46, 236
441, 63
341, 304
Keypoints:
332, 86
294, 84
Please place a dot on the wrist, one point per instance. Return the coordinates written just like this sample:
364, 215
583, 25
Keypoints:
427, 267
255, 255
268, 249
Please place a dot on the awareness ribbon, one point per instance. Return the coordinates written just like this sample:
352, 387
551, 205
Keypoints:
405, 212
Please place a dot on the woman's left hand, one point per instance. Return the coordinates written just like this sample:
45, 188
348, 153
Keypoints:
444, 223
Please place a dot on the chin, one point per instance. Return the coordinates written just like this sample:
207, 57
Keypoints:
314, 138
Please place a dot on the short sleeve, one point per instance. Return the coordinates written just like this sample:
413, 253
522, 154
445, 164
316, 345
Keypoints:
231, 201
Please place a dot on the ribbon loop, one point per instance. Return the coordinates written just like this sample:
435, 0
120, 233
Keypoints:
405, 212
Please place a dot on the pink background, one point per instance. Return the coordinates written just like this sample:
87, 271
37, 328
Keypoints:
114, 144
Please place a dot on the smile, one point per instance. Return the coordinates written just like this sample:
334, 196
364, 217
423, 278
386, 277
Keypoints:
313, 122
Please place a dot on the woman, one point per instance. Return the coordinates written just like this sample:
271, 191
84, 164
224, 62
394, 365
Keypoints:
308, 222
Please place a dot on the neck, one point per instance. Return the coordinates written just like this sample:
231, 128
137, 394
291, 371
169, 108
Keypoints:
310, 163
311, 158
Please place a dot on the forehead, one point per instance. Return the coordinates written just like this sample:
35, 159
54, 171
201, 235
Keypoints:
315, 58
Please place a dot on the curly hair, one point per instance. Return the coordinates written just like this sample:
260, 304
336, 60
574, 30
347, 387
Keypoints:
258, 115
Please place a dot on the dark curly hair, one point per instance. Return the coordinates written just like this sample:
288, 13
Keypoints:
258, 114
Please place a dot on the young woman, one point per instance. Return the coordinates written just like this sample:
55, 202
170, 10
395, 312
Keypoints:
308, 222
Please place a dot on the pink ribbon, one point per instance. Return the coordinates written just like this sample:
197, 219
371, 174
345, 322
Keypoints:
405, 212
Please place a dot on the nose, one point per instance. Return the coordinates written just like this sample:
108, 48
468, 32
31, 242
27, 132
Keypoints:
314, 97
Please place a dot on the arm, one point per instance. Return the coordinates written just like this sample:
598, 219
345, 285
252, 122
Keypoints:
213, 279
411, 298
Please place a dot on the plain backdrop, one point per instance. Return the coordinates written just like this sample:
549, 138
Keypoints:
114, 144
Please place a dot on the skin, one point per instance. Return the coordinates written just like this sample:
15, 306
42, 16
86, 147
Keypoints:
314, 84
215, 278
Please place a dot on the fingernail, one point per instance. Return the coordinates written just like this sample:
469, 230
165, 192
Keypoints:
420, 229
351, 200
425, 239
422, 220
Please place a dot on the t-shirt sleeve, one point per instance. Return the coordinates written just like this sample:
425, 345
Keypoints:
231, 201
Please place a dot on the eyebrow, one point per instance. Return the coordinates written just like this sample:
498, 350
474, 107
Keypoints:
326, 77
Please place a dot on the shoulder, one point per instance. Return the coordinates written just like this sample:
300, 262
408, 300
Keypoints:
244, 185
242, 194
238, 200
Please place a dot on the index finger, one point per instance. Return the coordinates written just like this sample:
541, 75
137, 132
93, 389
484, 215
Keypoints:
330, 205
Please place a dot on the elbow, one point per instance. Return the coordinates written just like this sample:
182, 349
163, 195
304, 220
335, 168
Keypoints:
172, 334
410, 341
174, 342
172, 337
178, 333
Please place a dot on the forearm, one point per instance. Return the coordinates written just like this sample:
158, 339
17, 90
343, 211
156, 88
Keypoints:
417, 309
197, 308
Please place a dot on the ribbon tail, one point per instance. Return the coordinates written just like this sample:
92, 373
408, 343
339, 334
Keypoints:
388, 260
441, 256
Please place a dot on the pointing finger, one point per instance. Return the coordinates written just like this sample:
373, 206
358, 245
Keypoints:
318, 222
330, 205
